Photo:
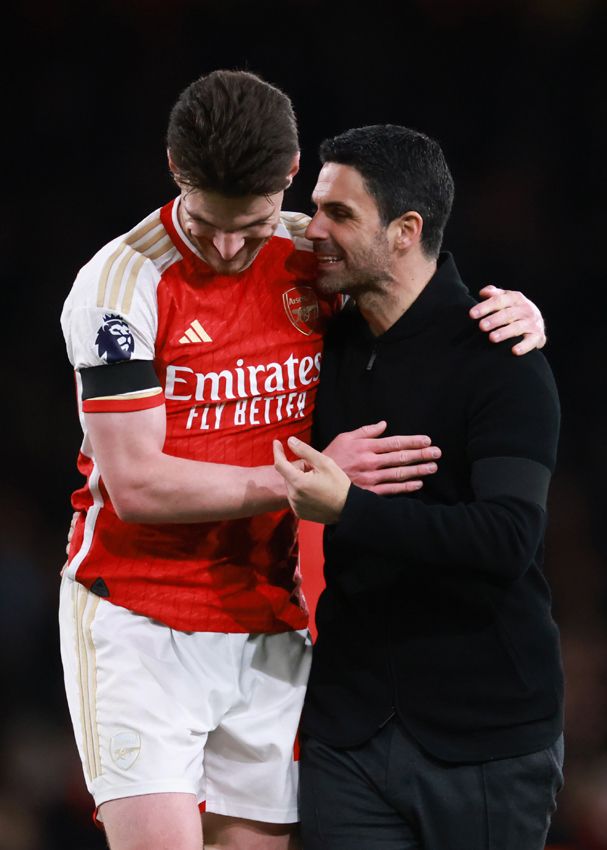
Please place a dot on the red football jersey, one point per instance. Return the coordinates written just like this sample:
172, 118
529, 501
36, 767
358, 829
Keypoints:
237, 360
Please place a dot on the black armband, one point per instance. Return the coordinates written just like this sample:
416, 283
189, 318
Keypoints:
518, 477
118, 378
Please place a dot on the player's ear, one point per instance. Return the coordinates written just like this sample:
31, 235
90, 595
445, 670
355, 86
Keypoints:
294, 169
172, 166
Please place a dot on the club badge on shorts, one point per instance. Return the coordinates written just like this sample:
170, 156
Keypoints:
301, 306
124, 748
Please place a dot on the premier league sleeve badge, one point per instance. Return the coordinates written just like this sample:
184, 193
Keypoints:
115, 342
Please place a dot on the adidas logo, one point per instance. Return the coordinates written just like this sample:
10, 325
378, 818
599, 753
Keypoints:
195, 333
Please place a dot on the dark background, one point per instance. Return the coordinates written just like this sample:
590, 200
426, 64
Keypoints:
514, 91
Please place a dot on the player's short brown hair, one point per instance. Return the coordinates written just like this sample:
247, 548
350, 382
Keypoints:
232, 133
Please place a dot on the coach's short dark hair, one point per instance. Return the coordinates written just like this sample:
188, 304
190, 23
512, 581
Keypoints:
403, 170
233, 133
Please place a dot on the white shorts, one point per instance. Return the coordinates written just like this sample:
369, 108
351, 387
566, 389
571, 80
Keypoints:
205, 713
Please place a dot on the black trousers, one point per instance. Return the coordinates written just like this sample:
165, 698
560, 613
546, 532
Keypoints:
387, 794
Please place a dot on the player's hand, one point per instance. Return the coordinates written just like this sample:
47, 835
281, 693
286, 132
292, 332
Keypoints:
319, 493
506, 314
385, 465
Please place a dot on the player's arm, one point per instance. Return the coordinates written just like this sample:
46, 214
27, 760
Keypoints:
506, 314
125, 418
149, 486
384, 465
512, 448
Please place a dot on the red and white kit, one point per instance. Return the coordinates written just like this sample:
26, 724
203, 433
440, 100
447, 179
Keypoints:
236, 361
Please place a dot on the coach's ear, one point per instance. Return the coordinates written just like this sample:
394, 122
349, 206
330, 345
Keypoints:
406, 230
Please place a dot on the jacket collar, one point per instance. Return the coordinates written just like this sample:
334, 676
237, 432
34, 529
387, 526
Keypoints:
444, 290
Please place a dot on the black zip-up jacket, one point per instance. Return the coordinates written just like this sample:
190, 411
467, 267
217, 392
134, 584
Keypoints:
435, 604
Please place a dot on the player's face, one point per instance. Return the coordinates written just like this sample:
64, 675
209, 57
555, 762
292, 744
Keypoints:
350, 242
228, 232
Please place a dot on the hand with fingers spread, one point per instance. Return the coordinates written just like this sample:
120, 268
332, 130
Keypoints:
505, 314
384, 465
319, 493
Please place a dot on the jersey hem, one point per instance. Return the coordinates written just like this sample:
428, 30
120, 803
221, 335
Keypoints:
300, 624
223, 806
164, 786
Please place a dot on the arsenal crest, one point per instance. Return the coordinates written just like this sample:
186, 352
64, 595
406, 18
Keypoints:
301, 306
124, 748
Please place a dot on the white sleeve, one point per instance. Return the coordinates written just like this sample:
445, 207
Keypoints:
111, 313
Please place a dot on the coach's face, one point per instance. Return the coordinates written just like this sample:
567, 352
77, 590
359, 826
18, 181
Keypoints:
350, 241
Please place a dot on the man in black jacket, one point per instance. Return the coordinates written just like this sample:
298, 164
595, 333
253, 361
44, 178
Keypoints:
433, 718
